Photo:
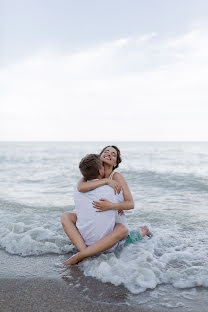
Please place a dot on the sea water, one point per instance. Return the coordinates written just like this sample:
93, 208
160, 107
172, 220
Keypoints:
169, 184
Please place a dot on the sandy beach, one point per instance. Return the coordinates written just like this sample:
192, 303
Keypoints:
35, 284
46, 295
40, 283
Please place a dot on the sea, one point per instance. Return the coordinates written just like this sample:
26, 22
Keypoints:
169, 184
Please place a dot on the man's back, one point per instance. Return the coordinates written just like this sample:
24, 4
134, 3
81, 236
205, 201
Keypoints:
94, 225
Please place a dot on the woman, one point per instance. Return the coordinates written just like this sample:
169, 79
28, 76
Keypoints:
111, 158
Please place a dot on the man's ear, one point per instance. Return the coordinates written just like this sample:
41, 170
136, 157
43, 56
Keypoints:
100, 171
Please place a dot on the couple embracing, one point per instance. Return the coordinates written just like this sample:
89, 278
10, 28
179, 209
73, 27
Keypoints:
100, 198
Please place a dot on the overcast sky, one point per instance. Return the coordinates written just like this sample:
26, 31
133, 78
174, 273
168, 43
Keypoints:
133, 70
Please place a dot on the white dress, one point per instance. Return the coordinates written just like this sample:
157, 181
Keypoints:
119, 218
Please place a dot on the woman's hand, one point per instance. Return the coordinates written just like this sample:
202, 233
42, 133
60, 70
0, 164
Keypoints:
115, 185
102, 205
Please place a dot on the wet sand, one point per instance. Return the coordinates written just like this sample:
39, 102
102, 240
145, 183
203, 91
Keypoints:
21, 295
38, 284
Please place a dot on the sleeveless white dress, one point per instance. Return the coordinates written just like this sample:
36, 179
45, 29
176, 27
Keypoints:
119, 218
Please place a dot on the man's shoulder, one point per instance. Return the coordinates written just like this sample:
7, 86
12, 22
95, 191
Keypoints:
103, 188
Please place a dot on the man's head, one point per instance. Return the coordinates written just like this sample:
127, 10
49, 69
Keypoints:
91, 167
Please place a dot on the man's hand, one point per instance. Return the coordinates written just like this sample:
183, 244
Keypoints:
102, 205
115, 185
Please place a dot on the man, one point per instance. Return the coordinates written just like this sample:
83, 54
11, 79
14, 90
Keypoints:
97, 231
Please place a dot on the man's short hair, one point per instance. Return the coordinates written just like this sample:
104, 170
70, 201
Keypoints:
89, 166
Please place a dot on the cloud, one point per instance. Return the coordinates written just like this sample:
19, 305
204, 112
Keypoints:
134, 88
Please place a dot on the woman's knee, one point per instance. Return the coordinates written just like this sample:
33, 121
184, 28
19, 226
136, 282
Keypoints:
63, 218
123, 231
68, 217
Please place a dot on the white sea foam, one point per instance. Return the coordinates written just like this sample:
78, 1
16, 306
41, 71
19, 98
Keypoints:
34, 236
139, 267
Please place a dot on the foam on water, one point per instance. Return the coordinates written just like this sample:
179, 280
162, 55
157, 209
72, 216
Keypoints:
165, 259
28, 231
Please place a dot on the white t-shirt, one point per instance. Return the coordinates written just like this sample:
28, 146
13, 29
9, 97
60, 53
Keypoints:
94, 225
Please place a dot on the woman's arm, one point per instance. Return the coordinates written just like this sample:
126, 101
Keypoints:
128, 202
85, 186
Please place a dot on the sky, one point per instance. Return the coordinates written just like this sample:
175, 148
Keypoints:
133, 70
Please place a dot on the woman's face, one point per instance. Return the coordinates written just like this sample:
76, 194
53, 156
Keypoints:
109, 156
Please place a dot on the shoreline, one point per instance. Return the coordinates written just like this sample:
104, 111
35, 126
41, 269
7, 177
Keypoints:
37, 283
51, 295
40, 283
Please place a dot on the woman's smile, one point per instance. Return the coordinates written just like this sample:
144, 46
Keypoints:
109, 156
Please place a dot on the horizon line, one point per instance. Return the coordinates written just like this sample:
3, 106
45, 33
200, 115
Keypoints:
96, 141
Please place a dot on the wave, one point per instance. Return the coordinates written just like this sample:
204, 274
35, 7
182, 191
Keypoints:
29, 240
168, 258
28, 233
167, 180
174, 257
26, 181
145, 265
18, 206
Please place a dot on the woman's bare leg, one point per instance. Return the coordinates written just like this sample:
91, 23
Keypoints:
68, 220
120, 232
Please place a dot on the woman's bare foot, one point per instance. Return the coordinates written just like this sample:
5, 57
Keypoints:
144, 231
73, 260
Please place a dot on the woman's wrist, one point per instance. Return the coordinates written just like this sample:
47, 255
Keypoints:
114, 206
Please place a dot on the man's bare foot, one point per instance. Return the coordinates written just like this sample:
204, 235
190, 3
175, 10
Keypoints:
144, 231
73, 260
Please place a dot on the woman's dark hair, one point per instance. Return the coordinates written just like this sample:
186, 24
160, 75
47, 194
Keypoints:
119, 160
